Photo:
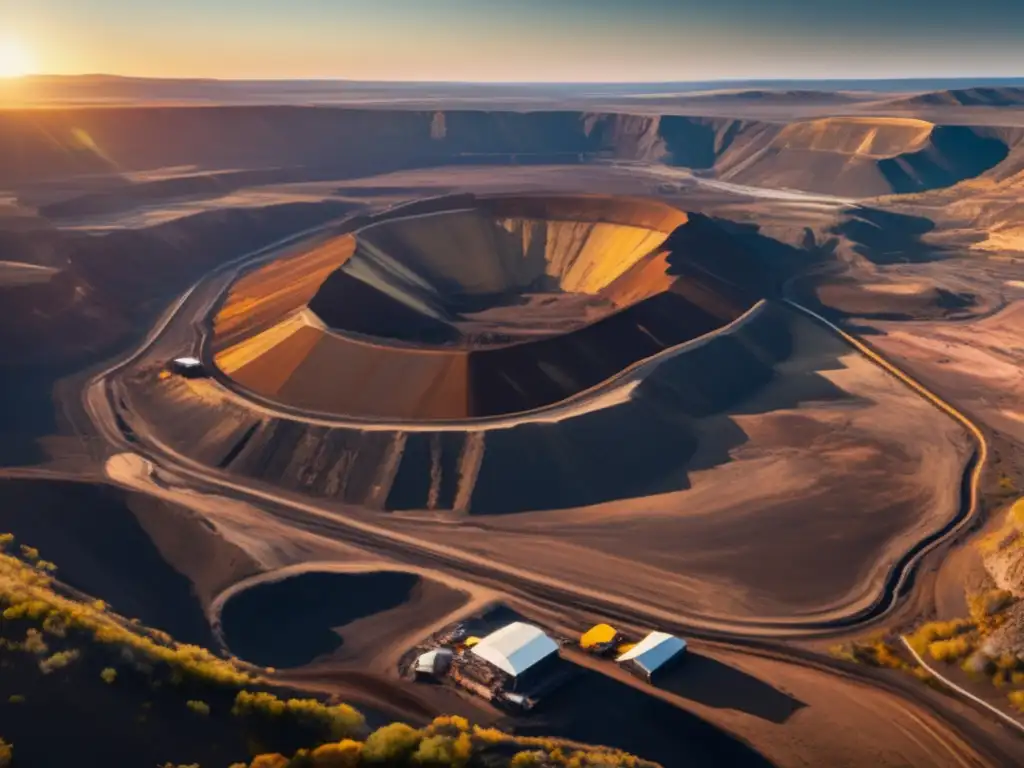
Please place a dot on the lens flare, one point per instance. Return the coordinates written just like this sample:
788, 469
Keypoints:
15, 60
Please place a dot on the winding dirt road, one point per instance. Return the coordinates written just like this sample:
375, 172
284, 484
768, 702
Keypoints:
145, 459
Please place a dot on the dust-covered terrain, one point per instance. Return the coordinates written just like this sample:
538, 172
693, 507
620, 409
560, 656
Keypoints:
741, 364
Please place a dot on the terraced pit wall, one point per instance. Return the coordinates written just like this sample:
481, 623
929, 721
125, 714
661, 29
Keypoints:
639, 439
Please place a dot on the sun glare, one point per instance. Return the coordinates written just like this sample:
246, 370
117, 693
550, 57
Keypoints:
15, 60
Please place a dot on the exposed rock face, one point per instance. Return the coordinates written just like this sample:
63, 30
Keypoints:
859, 156
496, 306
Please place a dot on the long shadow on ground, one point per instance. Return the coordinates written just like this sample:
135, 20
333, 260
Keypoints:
290, 622
597, 709
886, 237
92, 535
714, 684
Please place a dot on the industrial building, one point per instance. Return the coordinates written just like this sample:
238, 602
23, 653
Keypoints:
523, 653
514, 665
433, 664
653, 656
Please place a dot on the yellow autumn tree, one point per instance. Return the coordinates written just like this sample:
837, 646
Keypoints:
343, 754
391, 744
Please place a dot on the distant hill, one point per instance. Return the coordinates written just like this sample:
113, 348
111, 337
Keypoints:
101, 89
1007, 96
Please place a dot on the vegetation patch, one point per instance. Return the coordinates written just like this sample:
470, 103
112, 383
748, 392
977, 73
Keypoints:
60, 633
880, 650
964, 642
449, 741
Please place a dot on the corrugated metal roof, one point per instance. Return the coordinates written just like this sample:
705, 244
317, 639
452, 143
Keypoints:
515, 648
654, 650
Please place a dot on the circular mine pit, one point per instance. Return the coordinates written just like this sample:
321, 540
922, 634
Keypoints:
350, 617
487, 307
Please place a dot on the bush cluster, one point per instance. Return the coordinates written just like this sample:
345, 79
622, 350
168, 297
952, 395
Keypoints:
448, 742
338, 720
199, 707
28, 593
1016, 701
961, 641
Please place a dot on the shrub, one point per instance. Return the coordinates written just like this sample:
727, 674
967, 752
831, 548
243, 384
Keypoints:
449, 723
876, 653
34, 643
951, 650
933, 631
1016, 515
33, 610
1016, 701
391, 744
1008, 662
59, 660
339, 720
978, 663
55, 625
989, 604
269, 761
342, 754
199, 707
443, 751
109, 675
527, 759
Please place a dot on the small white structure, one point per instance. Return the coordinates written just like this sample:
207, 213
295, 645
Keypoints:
433, 663
516, 648
653, 654
189, 367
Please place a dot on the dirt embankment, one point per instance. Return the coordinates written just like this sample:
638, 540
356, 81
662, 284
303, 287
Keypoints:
108, 286
635, 439
860, 157
121, 548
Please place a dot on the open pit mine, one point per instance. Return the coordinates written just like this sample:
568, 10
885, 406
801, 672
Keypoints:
686, 424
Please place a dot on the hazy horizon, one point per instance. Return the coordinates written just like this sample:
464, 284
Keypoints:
530, 41
540, 83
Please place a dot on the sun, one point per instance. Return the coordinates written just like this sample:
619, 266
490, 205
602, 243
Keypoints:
15, 60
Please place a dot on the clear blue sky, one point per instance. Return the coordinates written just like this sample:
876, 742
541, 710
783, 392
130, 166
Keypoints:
519, 40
